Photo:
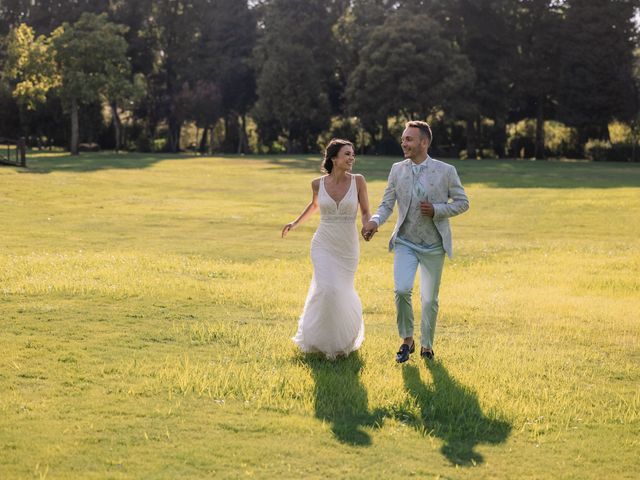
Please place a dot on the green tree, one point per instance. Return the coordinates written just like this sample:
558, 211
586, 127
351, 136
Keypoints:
539, 25
485, 32
31, 66
596, 81
352, 31
44, 16
174, 25
29, 74
223, 54
295, 65
92, 61
147, 56
201, 103
407, 68
117, 91
192, 47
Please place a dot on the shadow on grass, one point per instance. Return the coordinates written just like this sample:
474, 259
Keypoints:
341, 399
44, 163
491, 173
495, 173
451, 412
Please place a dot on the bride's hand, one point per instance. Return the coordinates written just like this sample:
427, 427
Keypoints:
369, 230
287, 227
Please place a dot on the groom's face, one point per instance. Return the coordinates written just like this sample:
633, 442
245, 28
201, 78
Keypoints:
414, 144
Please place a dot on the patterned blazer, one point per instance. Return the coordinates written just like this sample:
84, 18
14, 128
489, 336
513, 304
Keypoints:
444, 191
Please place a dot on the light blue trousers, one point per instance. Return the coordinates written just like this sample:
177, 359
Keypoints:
405, 264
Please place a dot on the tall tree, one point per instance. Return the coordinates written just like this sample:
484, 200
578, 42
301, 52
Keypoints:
485, 33
147, 57
407, 68
174, 24
44, 16
228, 33
352, 31
539, 27
295, 65
92, 62
29, 72
31, 66
596, 79
201, 104
187, 48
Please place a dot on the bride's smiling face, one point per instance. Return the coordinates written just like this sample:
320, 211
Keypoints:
345, 159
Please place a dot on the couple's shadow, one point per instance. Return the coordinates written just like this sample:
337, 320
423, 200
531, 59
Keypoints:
451, 412
341, 399
447, 409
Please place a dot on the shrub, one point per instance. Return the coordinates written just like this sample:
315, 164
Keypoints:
603, 151
560, 140
159, 144
620, 132
520, 139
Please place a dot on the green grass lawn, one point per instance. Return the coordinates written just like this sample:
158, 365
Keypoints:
147, 304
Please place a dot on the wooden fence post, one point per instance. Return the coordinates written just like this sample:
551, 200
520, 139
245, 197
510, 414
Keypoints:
22, 151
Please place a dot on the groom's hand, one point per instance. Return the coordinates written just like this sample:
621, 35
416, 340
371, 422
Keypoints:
369, 230
427, 209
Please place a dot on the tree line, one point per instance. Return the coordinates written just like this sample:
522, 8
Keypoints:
493, 77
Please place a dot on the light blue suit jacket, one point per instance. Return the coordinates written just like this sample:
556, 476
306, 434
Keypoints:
444, 191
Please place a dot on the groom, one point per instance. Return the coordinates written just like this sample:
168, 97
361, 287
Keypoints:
428, 192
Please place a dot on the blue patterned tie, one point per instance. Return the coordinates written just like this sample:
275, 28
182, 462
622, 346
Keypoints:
418, 187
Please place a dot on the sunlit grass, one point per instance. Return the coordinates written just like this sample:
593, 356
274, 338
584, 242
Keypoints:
147, 305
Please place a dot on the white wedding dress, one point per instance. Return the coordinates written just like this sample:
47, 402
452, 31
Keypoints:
331, 321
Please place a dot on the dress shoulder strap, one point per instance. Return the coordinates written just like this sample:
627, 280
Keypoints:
322, 190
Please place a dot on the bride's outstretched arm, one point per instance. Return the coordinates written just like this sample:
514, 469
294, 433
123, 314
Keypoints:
363, 199
309, 210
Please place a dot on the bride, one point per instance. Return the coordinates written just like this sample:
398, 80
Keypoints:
331, 321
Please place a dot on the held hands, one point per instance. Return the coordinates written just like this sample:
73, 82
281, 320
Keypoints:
369, 230
427, 209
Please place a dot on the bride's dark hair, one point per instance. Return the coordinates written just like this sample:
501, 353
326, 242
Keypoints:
332, 151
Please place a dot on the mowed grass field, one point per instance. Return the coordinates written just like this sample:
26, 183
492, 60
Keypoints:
147, 304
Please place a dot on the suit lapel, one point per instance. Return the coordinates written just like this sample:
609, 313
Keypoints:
404, 189
406, 178
432, 170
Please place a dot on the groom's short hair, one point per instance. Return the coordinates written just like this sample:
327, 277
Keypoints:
424, 128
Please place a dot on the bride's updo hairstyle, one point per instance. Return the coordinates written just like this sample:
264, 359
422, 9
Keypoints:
332, 151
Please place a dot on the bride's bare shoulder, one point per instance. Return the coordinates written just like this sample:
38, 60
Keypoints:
315, 183
359, 178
